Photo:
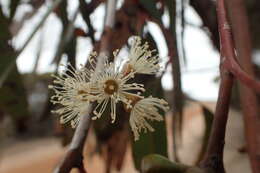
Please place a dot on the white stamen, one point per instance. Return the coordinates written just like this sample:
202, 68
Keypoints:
146, 109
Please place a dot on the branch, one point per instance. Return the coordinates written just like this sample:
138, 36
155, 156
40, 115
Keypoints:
250, 105
182, 45
74, 156
67, 34
213, 158
206, 10
233, 66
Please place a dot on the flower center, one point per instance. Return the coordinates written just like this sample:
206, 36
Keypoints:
110, 87
82, 92
83, 95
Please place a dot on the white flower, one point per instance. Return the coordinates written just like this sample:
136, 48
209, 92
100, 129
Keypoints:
141, 59
143, 110
72, 92
75, 89
111, 85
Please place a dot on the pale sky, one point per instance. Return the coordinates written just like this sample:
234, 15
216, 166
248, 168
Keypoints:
199, 51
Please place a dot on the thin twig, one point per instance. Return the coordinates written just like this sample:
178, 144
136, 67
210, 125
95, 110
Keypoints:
182, 16
67, 36
39, 50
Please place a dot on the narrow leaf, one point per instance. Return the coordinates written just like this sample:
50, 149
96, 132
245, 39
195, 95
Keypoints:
157, 164
151, 142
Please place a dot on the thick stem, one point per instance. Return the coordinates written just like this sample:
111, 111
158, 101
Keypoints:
206, 10
250, 106
213, 158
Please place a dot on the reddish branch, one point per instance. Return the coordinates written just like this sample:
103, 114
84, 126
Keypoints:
250, 106
213, 158
241, 75
206, 10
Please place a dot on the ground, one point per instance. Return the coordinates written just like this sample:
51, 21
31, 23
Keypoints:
41, 155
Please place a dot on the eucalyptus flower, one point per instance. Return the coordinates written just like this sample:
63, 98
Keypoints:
143, 110
107, 85
111, 85
141, 59
72, 94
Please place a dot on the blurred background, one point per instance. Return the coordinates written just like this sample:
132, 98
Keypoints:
36, 36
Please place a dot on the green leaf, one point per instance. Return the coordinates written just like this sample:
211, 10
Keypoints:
158, 164
208, 119
155, 163
151, 142
150, 6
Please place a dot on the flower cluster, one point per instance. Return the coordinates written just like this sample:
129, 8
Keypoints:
76, 89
